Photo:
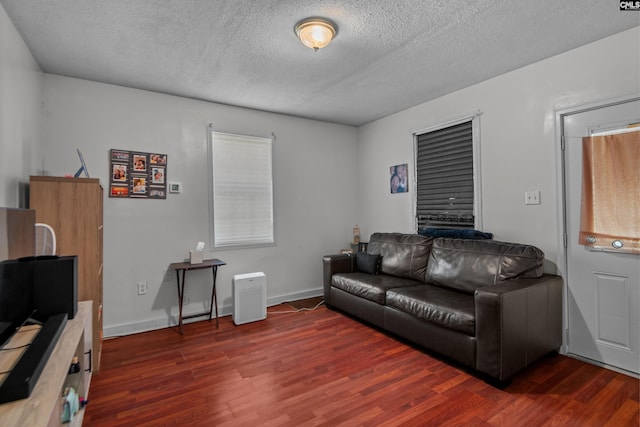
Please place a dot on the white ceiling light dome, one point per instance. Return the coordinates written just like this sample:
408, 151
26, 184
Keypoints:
315, 33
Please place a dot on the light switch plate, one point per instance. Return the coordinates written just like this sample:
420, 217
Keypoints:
532, 197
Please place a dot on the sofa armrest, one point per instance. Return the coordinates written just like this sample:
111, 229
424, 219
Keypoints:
332, 264
517, 322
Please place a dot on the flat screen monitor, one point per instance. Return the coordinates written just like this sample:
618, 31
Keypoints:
16, 296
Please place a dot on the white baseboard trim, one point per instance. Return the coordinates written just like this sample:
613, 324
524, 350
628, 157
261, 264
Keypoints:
112, 331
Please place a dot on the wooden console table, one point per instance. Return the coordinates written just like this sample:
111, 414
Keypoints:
43, 407
213, 264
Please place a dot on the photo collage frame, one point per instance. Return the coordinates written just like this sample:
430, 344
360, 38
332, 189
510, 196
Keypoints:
136, 174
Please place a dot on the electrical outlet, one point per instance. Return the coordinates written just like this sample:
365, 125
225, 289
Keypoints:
532, 197
187, 299
142, 288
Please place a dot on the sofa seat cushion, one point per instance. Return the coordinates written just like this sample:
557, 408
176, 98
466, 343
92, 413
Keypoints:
367, 286
444, 307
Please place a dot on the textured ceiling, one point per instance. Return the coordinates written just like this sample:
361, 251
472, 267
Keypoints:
387, 56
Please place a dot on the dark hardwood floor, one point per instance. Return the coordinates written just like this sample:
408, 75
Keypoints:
323, 368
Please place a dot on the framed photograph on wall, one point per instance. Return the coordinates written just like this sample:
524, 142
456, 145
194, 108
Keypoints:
157, 175
399, 178
139, 175
139, 163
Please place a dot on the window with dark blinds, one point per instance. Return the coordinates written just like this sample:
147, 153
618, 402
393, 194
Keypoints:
445, 177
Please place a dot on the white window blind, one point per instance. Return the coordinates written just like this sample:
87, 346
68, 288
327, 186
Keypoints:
445, 177
242, 190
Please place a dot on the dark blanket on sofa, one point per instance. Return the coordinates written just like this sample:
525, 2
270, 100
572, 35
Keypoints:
456, 233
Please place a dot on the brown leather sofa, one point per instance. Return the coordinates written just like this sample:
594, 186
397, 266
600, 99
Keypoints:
483, 303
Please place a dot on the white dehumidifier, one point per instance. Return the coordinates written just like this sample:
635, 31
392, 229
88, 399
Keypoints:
249, 297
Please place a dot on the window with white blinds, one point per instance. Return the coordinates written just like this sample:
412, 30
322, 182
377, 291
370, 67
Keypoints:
242, 190
445, 190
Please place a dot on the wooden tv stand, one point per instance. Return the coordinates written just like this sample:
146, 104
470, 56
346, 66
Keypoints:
44, 406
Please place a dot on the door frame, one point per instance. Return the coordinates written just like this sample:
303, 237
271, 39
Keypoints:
562, 264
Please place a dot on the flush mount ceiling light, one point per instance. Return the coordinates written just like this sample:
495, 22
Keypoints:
315, 33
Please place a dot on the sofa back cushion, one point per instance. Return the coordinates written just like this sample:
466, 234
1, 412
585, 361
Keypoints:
466, 265
403, 255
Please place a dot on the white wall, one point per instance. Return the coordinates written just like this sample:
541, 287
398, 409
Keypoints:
315, 194
328, 177
20, 112
519, 149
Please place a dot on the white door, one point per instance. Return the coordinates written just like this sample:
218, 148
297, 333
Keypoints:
603, 287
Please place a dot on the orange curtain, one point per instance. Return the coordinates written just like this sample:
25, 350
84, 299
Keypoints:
610, 216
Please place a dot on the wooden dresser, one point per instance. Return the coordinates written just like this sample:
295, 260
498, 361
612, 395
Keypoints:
73, 207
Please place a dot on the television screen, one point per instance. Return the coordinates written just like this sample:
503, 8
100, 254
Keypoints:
16, 296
